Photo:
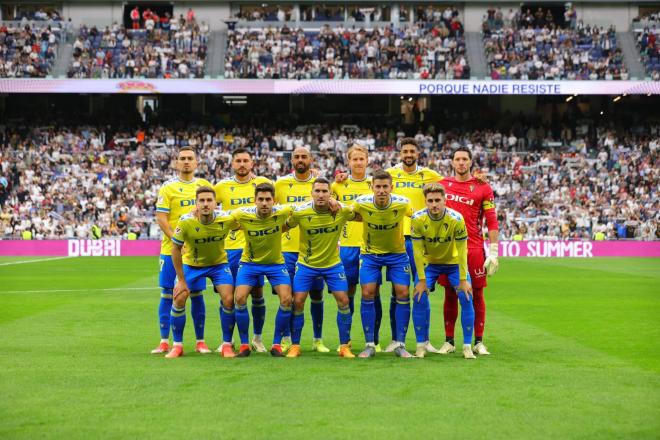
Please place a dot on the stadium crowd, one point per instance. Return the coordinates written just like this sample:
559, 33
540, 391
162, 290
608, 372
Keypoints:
28, 50
428, 49
533, 46
164, 47
649, 49
57, 183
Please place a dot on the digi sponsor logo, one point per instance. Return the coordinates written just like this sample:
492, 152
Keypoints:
189, 202
242, 201
460, 199
382, 227
94, 248
207, 240
325, 230
296, 199
409, 185
263, 232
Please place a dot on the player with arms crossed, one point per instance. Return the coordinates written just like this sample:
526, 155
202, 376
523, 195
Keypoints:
440, 247
355, 185
233, 193
263, 224
383, 245
474, 199
319, 258
296, 188
176, 197
203, 234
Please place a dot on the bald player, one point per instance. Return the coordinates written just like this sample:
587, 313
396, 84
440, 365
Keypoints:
296, 188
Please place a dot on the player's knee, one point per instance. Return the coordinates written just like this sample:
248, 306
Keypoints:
299, 303
342, 301
228, 302
286, 301
180, 300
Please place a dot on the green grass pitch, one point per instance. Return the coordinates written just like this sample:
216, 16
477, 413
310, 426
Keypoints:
575, 343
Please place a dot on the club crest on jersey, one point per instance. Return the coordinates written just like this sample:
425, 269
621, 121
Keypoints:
196, 229
309, 218
395, 212
232, 189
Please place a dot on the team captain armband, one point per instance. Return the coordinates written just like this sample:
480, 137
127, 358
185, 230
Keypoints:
488, 204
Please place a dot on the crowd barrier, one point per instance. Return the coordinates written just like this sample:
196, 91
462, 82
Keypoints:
130, 248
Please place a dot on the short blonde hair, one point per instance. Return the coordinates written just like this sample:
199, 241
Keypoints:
434, 188
358, 147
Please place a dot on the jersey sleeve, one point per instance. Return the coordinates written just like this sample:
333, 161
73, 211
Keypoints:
333, 190
488, 208
218, 191
279, 191
163, 203
414, 231
178, 237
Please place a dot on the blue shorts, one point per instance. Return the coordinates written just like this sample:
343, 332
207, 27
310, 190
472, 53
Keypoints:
306, 276
411, 258
196, 276
167, 275
250, 273
398, 268
234, 257
291, 259
350, 258
433, 271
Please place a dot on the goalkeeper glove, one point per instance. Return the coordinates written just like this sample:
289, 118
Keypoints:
491, 263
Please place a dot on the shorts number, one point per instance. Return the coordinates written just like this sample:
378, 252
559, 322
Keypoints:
161, 262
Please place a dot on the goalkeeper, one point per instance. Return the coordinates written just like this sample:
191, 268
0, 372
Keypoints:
474, 200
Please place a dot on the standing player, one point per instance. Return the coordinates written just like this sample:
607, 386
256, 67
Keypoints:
297, 188
475, 201
175, 198
263, 224
439, 242
408, 180
203, 235
319, 258
383, 245
233, 193
355, 185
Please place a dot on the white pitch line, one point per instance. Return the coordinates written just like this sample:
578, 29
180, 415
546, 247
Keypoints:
113, 289
32, 261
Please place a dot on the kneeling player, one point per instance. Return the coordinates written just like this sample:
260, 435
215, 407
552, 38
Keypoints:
440, 241
263, 225
203, 235
319, 259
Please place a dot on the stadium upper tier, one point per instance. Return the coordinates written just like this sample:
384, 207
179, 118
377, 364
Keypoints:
28, 51
299, 41
59, 182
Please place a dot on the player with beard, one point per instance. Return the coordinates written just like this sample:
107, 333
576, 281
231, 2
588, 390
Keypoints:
474, 199
296, 188
233, 193
176, 197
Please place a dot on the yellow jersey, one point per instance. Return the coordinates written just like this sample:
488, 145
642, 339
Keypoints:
177, 197
346, 192
319, 234
204, 244
411, 185
441, 241
232, 194
263, 236
288, 189
383, 227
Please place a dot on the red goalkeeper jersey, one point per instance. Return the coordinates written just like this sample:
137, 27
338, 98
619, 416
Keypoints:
475, 201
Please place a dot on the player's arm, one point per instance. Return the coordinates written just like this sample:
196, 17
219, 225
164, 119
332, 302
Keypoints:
488, 205
163, 213
460, 240
418, 255
177, 261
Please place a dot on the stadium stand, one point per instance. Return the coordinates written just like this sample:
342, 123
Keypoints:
170, 48
548, 185
649, 49
433, 47
539, 46
28, 50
